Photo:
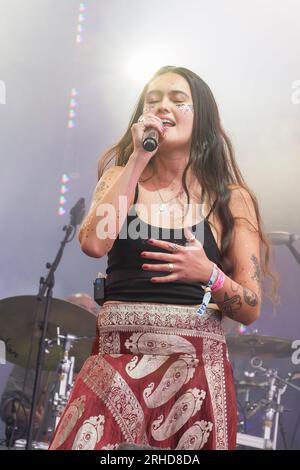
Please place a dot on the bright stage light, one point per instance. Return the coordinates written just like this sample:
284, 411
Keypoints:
144, 63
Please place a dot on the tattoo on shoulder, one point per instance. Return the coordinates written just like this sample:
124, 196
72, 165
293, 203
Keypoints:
250, 297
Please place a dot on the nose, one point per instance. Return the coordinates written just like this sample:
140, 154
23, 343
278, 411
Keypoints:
164, 105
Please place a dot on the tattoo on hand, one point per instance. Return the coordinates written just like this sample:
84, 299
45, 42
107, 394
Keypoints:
250, 297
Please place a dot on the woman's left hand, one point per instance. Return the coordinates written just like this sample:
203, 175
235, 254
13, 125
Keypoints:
190, 263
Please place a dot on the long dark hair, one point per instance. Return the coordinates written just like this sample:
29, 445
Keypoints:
212, 161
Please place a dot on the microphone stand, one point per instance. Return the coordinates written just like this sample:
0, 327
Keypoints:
46, 290
287, 239
294, 252
11, 426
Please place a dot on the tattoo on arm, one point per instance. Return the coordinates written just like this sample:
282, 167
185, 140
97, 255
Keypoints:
231, 305
257, 271
99, 190
250, 297
101, 187
85, 227
234, 286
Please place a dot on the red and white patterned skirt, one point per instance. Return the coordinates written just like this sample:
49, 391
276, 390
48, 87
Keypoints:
159, 376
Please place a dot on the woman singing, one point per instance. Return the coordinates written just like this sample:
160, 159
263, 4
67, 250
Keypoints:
183, 236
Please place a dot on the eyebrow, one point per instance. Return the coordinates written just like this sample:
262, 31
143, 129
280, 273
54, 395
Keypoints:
172, 92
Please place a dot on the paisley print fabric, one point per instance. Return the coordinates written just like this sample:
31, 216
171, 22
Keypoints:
159, 376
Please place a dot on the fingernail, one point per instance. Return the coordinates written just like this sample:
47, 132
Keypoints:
150, 241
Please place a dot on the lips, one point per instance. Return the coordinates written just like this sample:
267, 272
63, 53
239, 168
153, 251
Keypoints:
168, 123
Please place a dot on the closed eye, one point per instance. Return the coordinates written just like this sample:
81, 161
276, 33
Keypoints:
152, 102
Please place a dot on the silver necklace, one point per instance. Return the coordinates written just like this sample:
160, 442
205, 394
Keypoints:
164, 206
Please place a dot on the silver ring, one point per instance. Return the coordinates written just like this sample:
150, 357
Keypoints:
171, 267
141, 118
174, 247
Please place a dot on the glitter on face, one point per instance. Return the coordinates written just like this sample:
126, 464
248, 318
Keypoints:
185, 108
148, 108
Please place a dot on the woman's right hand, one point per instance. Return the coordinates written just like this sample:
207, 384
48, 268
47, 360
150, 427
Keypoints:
138, 129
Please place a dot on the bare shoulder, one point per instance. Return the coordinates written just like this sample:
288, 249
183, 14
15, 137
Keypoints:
243, 211
242, 207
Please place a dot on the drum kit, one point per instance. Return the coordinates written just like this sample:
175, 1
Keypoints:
262, 381
70, 334
69, 338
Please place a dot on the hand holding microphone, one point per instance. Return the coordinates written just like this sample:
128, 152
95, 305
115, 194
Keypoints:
146, 134
150, 139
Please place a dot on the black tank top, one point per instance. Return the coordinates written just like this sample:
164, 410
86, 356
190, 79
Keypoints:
127, 281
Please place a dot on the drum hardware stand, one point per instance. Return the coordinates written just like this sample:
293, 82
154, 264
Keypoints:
272, 407
66, 372
46, 291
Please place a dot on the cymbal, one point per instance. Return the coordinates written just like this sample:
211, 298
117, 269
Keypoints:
250, 345
245, 385
17, 320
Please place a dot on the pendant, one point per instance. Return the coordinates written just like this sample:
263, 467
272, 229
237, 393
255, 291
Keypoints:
163, 208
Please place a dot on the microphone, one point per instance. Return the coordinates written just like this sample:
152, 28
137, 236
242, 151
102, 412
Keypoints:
150, 139
77, 212
282, 238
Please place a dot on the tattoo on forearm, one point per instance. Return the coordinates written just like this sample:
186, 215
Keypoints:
231, 304
234, 286
250, 297
257, 271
